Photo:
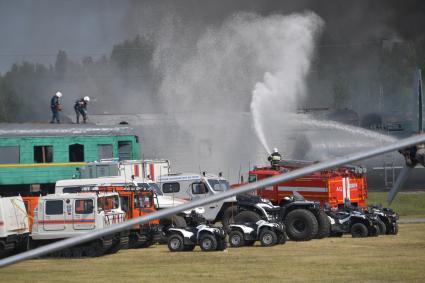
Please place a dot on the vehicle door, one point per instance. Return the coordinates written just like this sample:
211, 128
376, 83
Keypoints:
200, 190
126, 205
83, 214
54, 215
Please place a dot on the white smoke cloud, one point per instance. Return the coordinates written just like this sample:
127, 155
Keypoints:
280, 91
212, 81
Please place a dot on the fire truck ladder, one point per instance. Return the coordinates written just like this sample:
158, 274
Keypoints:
389, 171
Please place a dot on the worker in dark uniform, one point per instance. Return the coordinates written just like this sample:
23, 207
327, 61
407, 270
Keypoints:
80, 108
274, 159
55, 106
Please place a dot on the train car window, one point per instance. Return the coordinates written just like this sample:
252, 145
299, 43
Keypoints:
76, 153
171, 187
104, 151
9, 154
54, 207
84, 206
43, 154
124, 150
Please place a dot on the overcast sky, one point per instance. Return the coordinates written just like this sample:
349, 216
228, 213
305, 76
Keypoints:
35, 30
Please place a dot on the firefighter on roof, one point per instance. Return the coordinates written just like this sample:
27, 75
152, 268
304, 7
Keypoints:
80, 108
55, 106
274, 159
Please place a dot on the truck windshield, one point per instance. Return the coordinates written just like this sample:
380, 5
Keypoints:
218, 185
151, 186
108, 203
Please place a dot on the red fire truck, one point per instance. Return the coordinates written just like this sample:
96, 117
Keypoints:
333, 186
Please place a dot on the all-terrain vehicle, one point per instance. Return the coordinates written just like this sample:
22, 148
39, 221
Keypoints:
208, 237
304, 220
354, 221
268, 233
387, 219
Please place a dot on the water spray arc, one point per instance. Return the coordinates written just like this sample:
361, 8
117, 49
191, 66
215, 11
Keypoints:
283, 84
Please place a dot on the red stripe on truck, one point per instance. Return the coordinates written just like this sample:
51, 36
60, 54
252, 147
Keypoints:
152, 171
80, 221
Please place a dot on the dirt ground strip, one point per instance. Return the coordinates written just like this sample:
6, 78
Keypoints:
382, 259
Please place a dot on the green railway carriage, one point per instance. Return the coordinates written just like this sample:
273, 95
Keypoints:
34, 156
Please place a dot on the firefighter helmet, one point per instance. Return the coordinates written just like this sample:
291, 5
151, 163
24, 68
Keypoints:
86, 98
58, 94
274, 149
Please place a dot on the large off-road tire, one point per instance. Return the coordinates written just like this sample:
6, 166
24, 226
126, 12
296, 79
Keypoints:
236, 239
175, 243
359, 230
268, 238
324, 225
228, 217
301, 225
208, 242
247, 216
382, 227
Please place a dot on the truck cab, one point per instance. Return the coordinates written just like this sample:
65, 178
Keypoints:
192, 186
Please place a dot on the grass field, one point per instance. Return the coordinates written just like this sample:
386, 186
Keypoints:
398, 258
410, 204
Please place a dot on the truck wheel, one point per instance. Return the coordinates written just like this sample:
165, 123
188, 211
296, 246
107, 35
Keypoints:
301, 225
382, 227
208, 242
247, 216
175, 243
324, 225
228, 217
268, 238
236, 239
359, 230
